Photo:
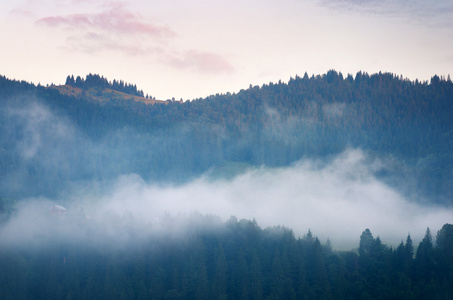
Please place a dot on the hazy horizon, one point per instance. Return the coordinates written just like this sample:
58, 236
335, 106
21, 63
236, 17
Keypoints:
191, 50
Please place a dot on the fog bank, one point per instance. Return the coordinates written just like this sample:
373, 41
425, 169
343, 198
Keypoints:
337, 200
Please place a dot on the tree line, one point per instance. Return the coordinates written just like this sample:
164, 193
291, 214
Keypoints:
100, 82
236, 260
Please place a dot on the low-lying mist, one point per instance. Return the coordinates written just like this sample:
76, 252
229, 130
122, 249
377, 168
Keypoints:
335, 200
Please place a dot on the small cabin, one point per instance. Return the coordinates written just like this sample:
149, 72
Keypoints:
57, 210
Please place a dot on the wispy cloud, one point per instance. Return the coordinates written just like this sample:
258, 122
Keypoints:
199, 61
21, 12
425, 12
115, 19
93, 42
114, 28
39, 129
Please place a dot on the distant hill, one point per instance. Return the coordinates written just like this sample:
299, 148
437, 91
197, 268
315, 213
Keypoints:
98, 88
101, 95
406, 123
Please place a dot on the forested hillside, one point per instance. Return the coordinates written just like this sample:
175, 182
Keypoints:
227, 260
74, 143
50, 139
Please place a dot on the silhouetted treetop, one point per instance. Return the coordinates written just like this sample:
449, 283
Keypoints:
235, 259
99, 82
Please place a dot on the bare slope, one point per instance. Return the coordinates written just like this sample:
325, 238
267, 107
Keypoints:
102, 95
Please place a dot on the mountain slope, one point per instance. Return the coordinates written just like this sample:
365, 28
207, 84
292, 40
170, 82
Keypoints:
406, 124
101, 95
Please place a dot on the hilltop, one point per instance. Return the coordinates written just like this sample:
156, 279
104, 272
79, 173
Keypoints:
102, 95
98, 88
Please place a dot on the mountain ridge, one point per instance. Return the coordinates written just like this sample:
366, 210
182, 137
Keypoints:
273, 125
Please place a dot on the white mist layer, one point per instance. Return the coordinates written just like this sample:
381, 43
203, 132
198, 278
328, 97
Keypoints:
336, 201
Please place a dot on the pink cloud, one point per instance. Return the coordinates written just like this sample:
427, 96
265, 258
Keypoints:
205, 62
115, 28
21, 12
115, 20
72, 21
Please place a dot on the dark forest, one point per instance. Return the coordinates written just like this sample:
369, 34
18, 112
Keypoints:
230, 260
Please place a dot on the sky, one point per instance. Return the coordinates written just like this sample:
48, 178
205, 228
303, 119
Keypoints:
192, 49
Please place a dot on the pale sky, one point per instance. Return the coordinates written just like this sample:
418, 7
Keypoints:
191, 49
